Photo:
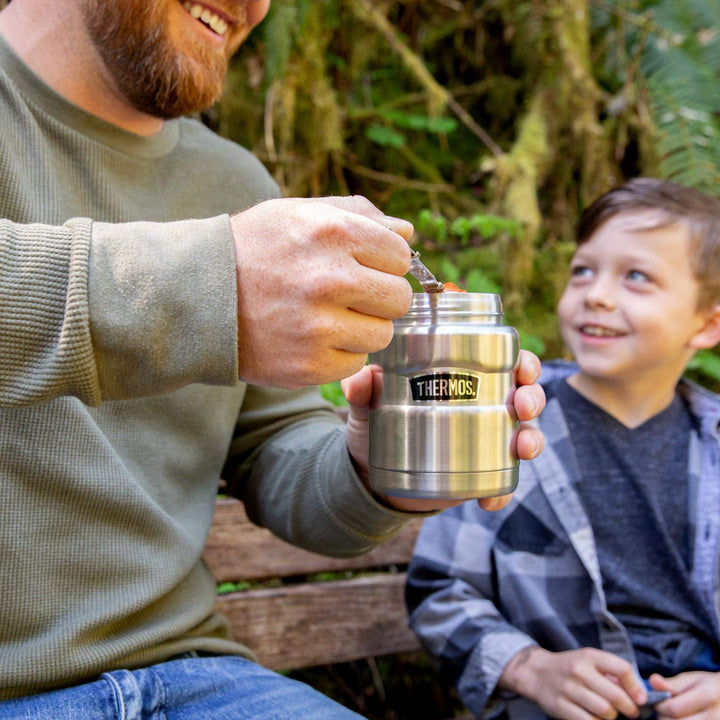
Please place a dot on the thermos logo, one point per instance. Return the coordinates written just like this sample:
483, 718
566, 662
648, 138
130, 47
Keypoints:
444, 386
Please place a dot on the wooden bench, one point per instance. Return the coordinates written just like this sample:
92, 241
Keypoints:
293, 621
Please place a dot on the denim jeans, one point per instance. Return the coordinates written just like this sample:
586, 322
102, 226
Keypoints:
190, 688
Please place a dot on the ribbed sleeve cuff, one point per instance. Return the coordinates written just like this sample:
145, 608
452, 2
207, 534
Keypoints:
45, 350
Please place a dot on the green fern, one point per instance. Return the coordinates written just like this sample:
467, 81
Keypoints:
683, 90
678, 47
670, 51
279, 32
282, 29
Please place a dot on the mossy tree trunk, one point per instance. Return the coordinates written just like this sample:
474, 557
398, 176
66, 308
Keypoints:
561, 157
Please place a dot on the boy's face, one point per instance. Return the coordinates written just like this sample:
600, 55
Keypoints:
629, 309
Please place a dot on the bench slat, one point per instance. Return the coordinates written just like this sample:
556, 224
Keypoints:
238, 550
322, 623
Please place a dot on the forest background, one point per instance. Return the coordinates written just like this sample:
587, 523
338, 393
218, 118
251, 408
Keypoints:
490, 125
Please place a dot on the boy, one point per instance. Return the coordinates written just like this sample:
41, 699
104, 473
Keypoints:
603, 570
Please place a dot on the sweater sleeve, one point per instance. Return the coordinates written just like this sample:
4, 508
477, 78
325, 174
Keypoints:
103, 311
290, 465
452, 609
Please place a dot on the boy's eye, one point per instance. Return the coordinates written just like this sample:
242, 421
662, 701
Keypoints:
637, 276
580, 271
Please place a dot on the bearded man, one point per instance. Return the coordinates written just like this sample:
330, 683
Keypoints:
147, 268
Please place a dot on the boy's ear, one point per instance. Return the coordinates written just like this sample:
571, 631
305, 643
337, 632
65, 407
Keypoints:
709, 334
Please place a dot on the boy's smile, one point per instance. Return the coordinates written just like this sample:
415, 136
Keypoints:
629, 311
598, 331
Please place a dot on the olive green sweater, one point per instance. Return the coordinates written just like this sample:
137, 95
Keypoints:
119, 401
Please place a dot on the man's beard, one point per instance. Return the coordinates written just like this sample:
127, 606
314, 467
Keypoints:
156, 78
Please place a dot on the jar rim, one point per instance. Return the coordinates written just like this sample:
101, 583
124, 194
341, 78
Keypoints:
453, 304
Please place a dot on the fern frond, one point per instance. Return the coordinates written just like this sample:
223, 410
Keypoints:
681, 67
677, 17
279, 31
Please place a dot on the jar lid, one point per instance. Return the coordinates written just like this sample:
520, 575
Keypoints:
455, 305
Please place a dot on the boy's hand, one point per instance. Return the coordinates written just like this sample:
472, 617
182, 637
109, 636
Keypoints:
696, 695
582, 684
528, 401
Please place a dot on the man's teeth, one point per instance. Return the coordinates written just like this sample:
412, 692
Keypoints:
215, 23
596, 331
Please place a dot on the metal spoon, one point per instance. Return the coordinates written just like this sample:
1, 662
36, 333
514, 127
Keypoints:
427, 280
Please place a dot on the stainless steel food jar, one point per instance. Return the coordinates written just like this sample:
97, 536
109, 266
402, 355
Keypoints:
441, 422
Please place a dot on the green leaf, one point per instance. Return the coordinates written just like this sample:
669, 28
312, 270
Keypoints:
333, 393
434, 226
412, 121
462, 227
533, 343
449, 272
487, 226
384, 136
477, 281
228, 587
706, 363
279, 29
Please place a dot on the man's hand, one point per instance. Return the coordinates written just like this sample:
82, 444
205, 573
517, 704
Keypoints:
696, 695
582, 684
528, 401
319, 284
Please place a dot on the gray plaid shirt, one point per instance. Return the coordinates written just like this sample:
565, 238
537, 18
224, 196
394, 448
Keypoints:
482, 586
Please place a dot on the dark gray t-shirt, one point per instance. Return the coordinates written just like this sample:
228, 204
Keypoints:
634, 486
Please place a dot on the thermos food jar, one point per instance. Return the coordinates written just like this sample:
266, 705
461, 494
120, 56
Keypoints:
441, 422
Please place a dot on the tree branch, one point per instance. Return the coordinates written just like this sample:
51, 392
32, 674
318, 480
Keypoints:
439, 96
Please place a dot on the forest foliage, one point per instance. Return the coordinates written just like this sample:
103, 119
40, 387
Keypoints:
490, 125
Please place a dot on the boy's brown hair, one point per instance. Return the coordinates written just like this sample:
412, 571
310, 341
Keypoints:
698, 212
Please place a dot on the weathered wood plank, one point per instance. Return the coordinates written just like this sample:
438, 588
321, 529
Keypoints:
238, 550
321, 623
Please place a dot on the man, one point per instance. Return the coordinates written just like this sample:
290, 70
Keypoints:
132, 304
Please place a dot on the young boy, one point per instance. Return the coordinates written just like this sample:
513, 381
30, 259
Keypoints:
603, 571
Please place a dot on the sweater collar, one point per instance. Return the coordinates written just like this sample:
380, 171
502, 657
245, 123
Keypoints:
54, 105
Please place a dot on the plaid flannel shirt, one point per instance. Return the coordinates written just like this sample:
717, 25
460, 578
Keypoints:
484, 585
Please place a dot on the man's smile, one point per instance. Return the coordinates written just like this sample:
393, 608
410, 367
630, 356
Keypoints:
208, 17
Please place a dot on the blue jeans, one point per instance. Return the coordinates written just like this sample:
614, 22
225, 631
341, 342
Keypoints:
190, 688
